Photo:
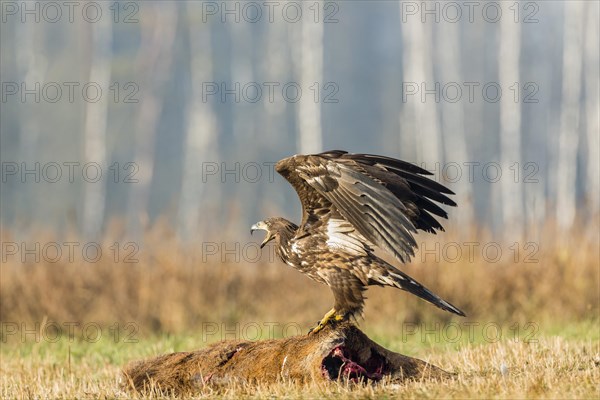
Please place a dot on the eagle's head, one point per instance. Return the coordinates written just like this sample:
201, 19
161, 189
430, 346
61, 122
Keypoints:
276, 228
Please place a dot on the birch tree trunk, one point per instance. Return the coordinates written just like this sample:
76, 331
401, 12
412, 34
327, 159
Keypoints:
244, 119
453, 124
569, 119
310, 73
201, 130
32, 68
275, 65
511, 194
418, 116
158, 22
242, 73
96, 115
592, 87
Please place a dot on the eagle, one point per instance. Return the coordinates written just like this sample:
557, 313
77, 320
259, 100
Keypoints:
350, 204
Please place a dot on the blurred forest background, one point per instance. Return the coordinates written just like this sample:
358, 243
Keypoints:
183, 107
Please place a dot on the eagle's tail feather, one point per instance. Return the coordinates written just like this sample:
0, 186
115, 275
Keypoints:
396, 278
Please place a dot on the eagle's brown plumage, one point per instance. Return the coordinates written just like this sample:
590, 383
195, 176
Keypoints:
351, 202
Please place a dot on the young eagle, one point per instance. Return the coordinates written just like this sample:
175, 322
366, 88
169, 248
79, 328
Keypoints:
351, 202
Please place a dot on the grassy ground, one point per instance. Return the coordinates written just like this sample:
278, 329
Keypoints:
558, 362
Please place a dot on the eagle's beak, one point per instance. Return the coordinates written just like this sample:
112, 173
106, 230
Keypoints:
257, 226
263, 227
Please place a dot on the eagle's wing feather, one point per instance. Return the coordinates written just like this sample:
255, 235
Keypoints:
342, 236
375, 212
386, 200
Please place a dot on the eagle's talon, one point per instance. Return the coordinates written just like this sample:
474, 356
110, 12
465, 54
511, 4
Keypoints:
316, 328
331, 317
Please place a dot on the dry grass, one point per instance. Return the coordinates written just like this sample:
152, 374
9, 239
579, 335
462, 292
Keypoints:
552, 368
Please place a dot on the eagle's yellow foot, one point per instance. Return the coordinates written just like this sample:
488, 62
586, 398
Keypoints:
330, 317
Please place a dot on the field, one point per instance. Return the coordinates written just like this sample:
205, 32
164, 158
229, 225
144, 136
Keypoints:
532, 330
565, 364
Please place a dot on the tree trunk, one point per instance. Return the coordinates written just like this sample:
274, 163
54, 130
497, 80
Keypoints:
31, 68
418, 115
340, 352
201, 131
309, 66
96, 115
158, 24
592, 86
453, 122
246, 126
568, 139
510, 129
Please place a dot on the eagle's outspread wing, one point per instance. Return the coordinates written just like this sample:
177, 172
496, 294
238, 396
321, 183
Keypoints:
384, 199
